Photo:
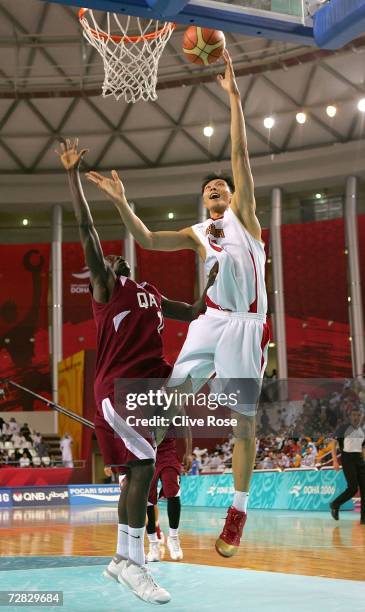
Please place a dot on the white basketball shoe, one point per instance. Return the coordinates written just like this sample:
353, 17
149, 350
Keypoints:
114, 568
141, 582
154, 552
173, 544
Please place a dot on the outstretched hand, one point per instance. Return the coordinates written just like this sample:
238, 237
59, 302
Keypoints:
228, 80
69, 155
112, 187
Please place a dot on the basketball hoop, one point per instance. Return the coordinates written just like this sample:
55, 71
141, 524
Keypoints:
130, 60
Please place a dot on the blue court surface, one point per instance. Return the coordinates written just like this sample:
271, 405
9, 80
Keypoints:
193, 587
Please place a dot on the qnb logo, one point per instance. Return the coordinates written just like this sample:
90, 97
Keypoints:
82, 275
296, 490
29, 496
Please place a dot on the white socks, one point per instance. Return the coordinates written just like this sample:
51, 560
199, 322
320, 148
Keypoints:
122, 545
173, 532
152, 537
136, 545
240, 501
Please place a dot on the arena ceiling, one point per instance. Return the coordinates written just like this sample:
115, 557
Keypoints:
50, 84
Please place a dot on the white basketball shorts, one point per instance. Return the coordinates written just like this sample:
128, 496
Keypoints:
231, 345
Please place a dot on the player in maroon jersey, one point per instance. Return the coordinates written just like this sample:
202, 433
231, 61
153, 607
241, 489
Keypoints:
129, 321
167, 471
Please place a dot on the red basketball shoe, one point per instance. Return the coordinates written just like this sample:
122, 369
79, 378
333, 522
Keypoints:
229, 540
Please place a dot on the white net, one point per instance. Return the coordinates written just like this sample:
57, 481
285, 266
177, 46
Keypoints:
130, 57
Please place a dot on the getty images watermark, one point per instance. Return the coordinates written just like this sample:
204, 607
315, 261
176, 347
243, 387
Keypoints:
291, 408
211, 409
165, 400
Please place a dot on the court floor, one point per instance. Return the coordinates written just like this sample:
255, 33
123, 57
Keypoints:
288, 560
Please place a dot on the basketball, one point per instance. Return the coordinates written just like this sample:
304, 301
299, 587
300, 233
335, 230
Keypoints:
202, 45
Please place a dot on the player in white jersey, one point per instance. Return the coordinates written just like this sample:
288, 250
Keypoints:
231, 339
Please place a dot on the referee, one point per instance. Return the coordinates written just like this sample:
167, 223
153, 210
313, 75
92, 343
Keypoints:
351, 440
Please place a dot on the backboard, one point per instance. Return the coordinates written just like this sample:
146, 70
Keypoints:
308, 22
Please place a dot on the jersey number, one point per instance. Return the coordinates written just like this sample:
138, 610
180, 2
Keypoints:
160, 326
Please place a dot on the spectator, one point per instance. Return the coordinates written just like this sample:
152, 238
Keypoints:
216, 462
6, 429
314, 448
297, 461
24, 460
65, 445
309, 459
268, 461
28, 442
37, 438
205, 461
283, 461
24, 430
41, 449
195, 466
13, 426
18, 440
199, 452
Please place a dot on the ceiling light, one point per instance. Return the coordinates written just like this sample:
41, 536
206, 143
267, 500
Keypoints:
331, 110
269, 122
208, 131
318, 196
272, 344
25, 222
361, 105
170, 215
301, 118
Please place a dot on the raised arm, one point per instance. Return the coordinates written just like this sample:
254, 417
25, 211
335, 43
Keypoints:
243, 201
101, 276
181, 311
155, 241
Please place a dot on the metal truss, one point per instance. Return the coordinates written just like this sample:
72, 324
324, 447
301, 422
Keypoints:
77, 95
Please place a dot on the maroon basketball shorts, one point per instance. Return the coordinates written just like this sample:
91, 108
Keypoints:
111, 446
138, 445
169, 475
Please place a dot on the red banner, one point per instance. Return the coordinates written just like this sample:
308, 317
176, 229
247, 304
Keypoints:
315, 281
23, 477
24, 346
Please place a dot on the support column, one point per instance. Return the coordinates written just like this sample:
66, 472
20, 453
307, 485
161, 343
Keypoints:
278, 282
56, 329
130, 249
202, 277
354, 279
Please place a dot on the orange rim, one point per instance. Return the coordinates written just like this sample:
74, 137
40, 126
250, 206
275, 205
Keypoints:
133, 39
